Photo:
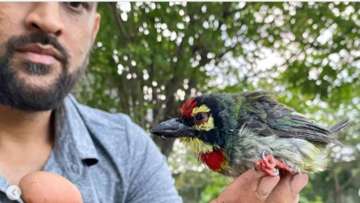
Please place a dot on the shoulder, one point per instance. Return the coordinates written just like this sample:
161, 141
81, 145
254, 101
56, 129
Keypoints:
113, 130
132, 152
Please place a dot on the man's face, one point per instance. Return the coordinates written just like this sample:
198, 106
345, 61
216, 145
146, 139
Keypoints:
43, 49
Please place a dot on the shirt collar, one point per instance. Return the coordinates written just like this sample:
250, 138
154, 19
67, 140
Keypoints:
72, 135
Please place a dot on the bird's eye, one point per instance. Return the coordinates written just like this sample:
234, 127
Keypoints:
201, 117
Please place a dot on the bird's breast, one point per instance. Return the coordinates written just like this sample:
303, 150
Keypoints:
215, 160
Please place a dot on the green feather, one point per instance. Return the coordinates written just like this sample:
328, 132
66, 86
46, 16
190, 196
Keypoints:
301, 155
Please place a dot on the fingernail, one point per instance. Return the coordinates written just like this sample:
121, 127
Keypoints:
298, 182
266, 185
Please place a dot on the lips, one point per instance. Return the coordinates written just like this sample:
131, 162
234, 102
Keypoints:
38, 53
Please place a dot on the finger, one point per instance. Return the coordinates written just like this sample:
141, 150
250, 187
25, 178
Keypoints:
266, 186
250, 176
242, 189
298, 182
288, 188
282, 193
284, 185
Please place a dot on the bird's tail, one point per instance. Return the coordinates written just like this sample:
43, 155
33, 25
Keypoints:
339, 126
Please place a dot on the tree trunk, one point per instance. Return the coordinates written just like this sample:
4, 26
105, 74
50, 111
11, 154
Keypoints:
338, 192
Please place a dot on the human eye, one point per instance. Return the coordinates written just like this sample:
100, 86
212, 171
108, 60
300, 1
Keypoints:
78, 6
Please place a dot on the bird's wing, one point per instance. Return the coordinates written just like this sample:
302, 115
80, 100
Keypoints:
265, 116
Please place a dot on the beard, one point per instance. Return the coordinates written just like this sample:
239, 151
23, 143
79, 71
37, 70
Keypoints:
15, 93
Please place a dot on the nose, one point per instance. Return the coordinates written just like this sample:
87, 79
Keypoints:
45, 17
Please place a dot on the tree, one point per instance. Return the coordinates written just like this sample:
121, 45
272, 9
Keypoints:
150, 56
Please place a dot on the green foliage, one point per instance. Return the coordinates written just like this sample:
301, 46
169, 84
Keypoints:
200, 187
213, 188
150, 56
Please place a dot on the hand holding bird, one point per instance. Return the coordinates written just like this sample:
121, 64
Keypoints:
255, 187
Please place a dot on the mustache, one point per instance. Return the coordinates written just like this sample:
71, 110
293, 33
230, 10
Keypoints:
17, 42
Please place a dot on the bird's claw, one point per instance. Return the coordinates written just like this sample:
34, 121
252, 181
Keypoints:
270, 165
263, 155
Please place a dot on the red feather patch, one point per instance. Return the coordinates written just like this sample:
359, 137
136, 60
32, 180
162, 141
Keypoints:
214, 160
187, 108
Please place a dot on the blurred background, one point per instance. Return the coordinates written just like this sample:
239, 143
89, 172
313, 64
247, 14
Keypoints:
150, 56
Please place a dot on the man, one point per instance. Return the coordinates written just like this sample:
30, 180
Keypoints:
44, 48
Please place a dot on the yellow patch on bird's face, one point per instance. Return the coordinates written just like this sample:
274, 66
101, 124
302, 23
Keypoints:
207, 121
200, 109
197, 146
206, 126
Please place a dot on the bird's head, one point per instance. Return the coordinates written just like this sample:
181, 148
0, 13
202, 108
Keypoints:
208, 118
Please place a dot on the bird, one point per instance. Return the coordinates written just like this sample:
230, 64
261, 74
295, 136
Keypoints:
232, 133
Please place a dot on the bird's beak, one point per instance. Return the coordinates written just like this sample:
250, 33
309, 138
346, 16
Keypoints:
173, 128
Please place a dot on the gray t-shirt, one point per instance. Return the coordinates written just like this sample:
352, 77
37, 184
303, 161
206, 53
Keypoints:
108, 157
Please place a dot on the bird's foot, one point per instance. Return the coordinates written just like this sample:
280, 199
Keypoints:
271, 166
267, 165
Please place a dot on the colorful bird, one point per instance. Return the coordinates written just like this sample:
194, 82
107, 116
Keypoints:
232, 133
